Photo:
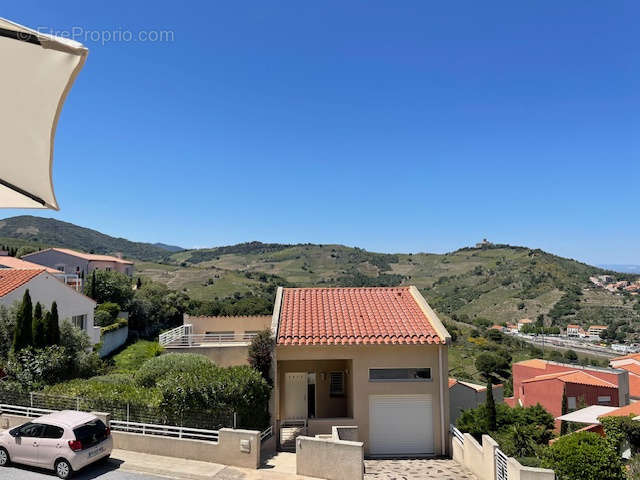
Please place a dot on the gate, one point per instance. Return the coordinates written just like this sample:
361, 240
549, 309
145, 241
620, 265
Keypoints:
501, 465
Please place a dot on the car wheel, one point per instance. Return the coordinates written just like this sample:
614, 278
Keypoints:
4, 457
63, 469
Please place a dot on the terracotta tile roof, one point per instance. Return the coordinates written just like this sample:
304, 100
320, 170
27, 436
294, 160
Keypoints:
13, 262
631, 367
571, 325
345, 316
452, 382
88, 256
631, 409
634, 386
634, 356
533, 363
10, 279
573, 376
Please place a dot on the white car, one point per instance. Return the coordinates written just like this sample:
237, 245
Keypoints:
63, 441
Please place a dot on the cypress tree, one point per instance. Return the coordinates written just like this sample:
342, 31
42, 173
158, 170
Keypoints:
38, 327
53, 329
564, 426
22, 336
491, 406
93, 284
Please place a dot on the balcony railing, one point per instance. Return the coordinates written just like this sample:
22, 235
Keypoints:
182, 337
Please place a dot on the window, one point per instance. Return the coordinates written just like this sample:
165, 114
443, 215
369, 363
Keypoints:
77, 269
78, 321
604, 399
51, 431
91, 433
30, 430
336, 384
60, 267
399, 374
108, 269
571, 403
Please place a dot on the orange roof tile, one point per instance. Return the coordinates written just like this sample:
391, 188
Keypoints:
452, 382
571, 325
13, 262
635, 356
631, 409
497, 327
344, 316
634, 385
10, 279
631, 367
87, 256
533, 363
573, 376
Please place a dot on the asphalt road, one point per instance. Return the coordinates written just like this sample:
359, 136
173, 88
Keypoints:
110, 471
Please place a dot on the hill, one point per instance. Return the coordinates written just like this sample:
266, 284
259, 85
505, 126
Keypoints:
49, 232
169, 248
490, 284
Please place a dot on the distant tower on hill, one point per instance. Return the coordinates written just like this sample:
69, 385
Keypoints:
484, 243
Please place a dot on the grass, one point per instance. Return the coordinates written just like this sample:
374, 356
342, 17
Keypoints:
133, 356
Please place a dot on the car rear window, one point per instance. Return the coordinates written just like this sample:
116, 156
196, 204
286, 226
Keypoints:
91, 433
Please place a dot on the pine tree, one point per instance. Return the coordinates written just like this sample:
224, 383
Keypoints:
22, 336
53, 329
38, 327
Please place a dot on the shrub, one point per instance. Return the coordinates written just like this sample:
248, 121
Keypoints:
7, 328
112, 309
102, 318
173, 363
132, 357
583, 456
109, 286
121, 323
239, 389
106, 391
260, 353
34, 368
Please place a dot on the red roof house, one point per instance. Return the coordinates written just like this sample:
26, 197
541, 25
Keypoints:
375, 358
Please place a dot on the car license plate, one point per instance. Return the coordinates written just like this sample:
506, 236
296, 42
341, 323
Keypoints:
95, 452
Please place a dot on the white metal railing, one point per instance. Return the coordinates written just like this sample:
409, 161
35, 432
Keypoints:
178, 338
501, 465
24, 411
456, 433
164, 430
265, 434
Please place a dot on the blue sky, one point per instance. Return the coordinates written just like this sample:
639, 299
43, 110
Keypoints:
393, 126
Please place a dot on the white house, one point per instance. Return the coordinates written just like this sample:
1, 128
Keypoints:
45, 288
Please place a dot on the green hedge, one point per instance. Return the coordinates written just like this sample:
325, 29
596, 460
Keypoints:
121, 323
160, 367
107, 391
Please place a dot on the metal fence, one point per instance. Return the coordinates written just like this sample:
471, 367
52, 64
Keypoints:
501, 465
165, 431
456, 433
266, 434
182, 337
213, 419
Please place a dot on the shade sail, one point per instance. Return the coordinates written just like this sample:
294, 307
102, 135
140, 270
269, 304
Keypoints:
37, 73
587, 415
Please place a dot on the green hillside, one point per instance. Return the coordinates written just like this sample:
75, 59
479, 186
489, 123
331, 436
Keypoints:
49, 232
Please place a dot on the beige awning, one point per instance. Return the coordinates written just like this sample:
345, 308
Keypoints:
37, 73
587, 415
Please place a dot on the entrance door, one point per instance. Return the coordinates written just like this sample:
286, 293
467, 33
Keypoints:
400, 425
295, 396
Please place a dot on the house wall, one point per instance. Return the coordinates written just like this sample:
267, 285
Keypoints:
326, 406
53, 258
227, 324
46, 289
125, 268
364, 357
463, 397
617, 377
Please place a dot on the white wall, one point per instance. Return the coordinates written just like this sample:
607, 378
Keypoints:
46, 289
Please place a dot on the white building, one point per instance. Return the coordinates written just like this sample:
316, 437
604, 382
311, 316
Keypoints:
45, 288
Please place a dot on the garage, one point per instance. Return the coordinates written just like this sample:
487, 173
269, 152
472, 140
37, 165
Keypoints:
400, 425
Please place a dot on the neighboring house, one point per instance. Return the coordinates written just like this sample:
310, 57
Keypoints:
225, 340
465, 395
79, 263
596, 330
541, 381
375, 358
630, 363
46, 289
575, 331
523, 322
12, 262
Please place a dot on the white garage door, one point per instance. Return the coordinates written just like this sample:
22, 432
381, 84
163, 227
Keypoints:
400, 425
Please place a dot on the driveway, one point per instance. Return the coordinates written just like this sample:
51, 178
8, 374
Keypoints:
111, 471
414, 469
